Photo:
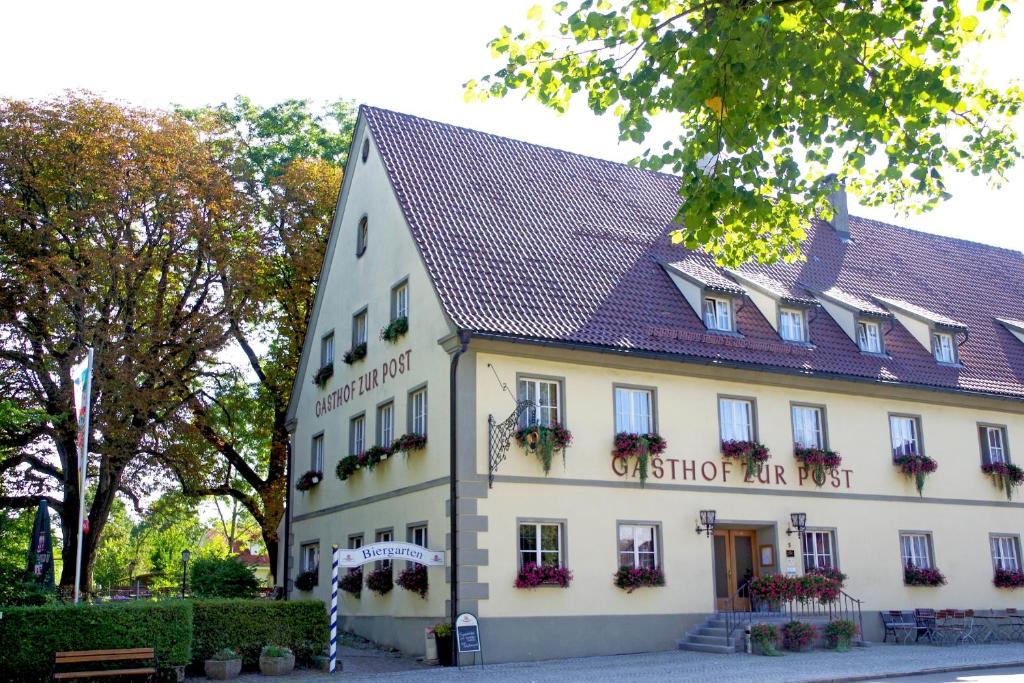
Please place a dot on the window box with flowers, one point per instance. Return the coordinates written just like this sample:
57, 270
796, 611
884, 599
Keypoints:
355, 354
1008, 578
818, 461
916, 467
309, 480
753, 454
532, 575
922, 576
321, 376
631, 578
380, 581
641, 447
373, 456
407, 443
352, 582
414, 579
348, 466
544, 440
1006, 476
307, 580
395, 329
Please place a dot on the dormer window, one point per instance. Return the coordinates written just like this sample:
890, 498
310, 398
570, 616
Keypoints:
718, 313
792, 325
943, 347
869, 336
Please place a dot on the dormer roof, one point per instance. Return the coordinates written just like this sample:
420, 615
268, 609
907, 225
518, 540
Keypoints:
772, 288
853, 303
706, 277
923, 314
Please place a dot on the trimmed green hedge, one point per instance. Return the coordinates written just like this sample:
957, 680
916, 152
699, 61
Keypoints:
29, 636
248, 625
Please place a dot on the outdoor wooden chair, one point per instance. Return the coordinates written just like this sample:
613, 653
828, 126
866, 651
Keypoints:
137, 662
926, 625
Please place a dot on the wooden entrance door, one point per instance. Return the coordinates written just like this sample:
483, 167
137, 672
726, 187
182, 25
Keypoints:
735, 563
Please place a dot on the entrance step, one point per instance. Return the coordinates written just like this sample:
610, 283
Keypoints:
701, 647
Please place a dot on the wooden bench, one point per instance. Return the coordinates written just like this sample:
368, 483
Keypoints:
76, 665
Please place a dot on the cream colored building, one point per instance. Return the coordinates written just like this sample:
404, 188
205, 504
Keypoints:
526, 273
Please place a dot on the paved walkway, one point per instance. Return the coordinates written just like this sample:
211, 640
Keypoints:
858, 664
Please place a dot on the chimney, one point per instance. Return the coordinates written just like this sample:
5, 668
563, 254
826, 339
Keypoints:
840, 213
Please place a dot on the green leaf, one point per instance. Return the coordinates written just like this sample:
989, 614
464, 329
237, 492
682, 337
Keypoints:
968, 23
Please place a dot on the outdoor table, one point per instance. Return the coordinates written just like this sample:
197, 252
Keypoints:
988, 626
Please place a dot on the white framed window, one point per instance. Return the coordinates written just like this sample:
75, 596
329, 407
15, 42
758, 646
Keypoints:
792, 325
634, 410
993, 444
418, 535
736, 416
355, 541
916, 551
638, 546
400, 301
384, 536
359, 328
819, 550
357, 435
808, 426
418, 412
718, 313
869, 336
316, 459
905, 432
546, 396
943, 347
540, 543
362, 236
327, 349
1006, 552
386, 424
310, 557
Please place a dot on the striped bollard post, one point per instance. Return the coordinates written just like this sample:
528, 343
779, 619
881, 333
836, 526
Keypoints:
334, 608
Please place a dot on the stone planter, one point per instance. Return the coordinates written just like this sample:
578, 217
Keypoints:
222, 669
276, 666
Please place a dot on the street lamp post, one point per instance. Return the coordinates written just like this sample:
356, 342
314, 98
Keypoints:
185, 554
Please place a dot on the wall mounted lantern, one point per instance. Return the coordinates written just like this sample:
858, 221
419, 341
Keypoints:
707, 523
798, 522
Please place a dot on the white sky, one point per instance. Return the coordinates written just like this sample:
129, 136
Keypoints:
408, 56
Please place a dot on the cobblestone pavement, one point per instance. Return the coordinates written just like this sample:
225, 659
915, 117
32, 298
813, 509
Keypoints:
860, 663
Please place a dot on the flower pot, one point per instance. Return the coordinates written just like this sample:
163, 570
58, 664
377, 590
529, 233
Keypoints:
222, 669
444, 650
842, 644
276, 666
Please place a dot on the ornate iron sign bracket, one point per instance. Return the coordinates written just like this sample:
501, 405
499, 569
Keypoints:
499, 438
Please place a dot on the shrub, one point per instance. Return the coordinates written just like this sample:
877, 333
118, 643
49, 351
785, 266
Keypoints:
532, 575
275, 651
223, 578
352, 582
414, 579
630, 578
248, 625
15, 590
380, 581
225, 655
765, 636
31, 635
796, 635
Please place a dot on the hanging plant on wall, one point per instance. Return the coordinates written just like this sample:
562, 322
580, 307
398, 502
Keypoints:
917, 467
544, 441
395, 329
1005, 476
352, 582
1008, 578
753, 454
309, 480
407, 443
641, 447
380, 581
414, 579
818, 461
356, 353
920, 576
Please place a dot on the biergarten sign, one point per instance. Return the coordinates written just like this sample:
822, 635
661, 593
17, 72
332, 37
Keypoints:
677, 469
390, 550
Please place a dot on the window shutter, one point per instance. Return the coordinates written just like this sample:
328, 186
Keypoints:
986, 459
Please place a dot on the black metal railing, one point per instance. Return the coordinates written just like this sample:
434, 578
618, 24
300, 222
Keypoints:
844, 606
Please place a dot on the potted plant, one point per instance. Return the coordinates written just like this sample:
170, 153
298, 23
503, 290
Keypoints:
763, 637
374, 455
347, 466
321, 376
407, 443
839, 633
918, 576
544, 440
355, 354
532, 575
796, 635
640, 446
818, 461
1006, 476
276, 660
352, 582
395, 329
223, 665
753, 454
414, 579
1008, 578
631, 578
307, 580
916, 467
380, 581
443, 638
309, 480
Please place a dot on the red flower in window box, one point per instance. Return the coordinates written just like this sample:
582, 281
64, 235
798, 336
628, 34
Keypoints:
818, 461
532, 575
408, 443
352, 582
380, 581
920, 576
753, 454
1006, 476
414, 579
917, 467
631, 578
544, 441
309, 480
640, 446
1008, 578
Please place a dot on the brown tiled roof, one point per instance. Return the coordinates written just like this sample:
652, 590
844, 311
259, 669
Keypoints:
922, 313
538, 244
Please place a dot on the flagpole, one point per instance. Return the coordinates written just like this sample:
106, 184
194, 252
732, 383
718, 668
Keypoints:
83, 463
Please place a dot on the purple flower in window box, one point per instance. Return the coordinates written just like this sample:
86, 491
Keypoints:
532, 575
1006, 476
922, 576
753, 454
917, 467
640, 446
544, 440
414, 579
1008, 578
818, 461
631, 578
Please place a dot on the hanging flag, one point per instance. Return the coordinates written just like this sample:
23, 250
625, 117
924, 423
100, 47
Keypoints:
81, 375
40, 549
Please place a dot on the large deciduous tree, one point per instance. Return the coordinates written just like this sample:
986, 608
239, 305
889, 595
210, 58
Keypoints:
772, 102
286, 160
115, 228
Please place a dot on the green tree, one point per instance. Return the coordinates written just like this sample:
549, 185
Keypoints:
225, 577
773, 101
116, 558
